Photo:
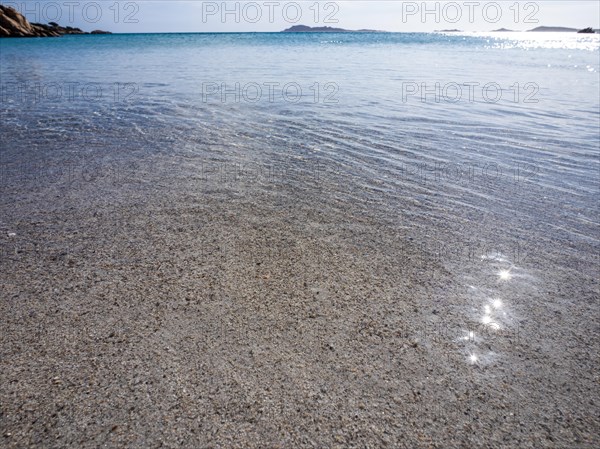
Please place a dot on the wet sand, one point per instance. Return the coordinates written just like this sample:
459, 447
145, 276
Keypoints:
167, 311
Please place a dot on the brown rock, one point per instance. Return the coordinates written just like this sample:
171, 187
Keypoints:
14, 24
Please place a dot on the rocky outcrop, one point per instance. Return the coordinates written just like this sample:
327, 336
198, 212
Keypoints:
588, 30
57, 30
14, 24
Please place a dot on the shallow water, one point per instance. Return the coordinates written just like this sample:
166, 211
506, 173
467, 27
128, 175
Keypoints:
444, 242
519, 162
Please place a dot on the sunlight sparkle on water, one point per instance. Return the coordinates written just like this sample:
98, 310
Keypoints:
532, 40
505, 275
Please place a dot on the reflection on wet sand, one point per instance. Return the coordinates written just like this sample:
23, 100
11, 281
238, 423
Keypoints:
492, 312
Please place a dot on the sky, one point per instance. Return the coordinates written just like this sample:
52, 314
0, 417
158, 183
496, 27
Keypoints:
141, 16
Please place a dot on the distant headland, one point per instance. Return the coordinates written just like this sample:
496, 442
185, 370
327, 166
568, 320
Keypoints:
14, 24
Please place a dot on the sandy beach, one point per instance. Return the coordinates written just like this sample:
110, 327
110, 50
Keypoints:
170, 311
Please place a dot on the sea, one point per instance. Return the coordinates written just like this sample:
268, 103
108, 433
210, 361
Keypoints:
480, 148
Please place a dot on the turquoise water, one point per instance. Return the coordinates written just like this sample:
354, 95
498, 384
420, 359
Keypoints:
353, 123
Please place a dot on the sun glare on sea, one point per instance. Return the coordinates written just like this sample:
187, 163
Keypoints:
505, 275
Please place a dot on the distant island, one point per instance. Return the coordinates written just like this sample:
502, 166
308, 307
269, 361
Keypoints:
14, 24
307, 29
564, 30
554, 29
539, 29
